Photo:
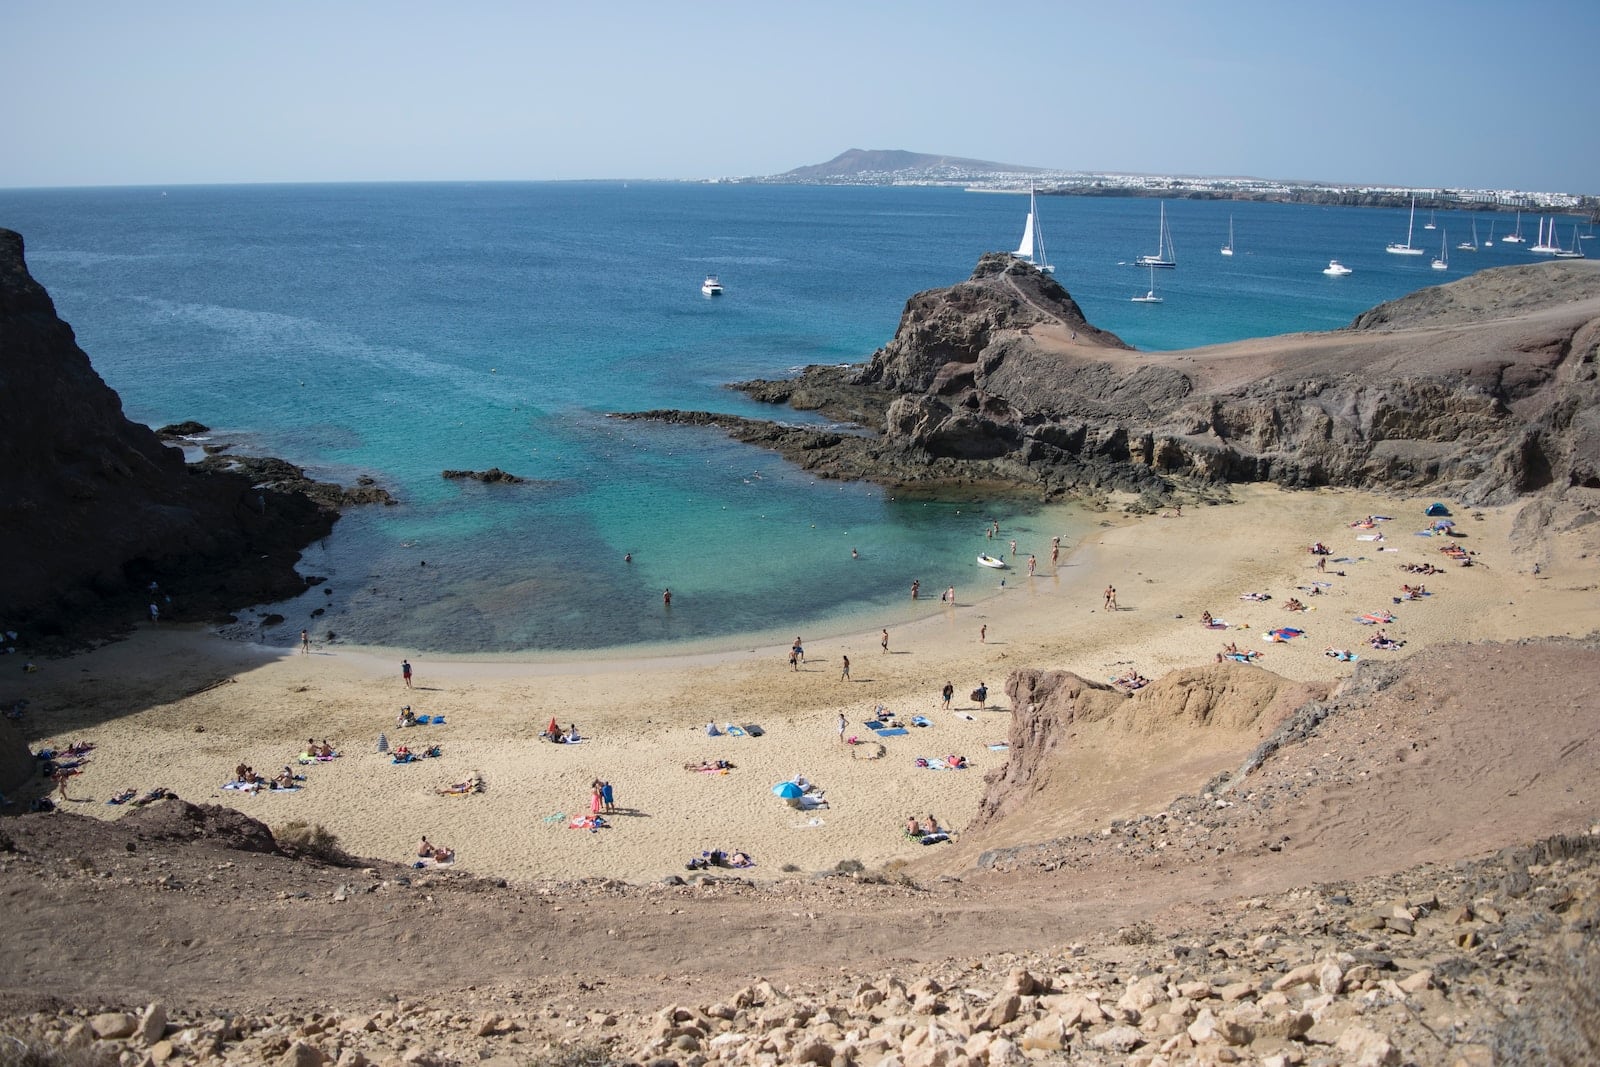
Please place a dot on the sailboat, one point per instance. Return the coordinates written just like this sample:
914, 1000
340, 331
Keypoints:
1406, 249
1547, 239
1576, 251
1515, 238
1490, 242
1031, 250
1150, 296
1227, 249
1430, 225
1472, 245
1442, 261
1165, 255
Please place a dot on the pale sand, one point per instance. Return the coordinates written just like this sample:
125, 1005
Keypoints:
141, 700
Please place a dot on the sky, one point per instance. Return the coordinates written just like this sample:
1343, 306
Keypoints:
1423, 94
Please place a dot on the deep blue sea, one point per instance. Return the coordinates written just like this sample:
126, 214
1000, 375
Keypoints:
398, 330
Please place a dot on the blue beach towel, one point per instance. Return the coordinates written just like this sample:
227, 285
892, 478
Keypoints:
733, 731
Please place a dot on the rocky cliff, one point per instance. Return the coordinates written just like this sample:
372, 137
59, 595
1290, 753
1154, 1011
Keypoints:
94, 507
1486, 387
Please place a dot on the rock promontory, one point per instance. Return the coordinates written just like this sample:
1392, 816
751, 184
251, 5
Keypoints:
1485, 387
94, 507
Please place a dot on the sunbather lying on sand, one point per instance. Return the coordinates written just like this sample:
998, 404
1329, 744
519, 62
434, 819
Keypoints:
1340, 654
1132, 680
709, 765
1293, 604
473, 784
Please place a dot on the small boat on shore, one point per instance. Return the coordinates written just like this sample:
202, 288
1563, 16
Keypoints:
711, 287
991, 561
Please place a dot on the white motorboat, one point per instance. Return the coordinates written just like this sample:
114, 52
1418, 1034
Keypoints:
1165, 255
1336, 269
711, 287
1031, 250
1406, 249
991, 561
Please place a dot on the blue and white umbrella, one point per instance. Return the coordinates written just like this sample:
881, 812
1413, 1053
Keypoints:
788, 790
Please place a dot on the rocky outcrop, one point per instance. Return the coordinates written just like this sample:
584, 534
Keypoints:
94, 507
492, 476
1486, 387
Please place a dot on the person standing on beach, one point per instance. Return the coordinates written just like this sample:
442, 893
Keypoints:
608, 797
948, 692
1111, 598
983, 634
305, 642
1055, 553
950, 595
794, 659
844, 723
884, 640
844, 673
1032, 563
1013, 548
799, 649
981, 694
405, 672
916, 586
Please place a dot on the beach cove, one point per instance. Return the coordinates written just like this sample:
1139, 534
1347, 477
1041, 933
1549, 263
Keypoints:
179, 708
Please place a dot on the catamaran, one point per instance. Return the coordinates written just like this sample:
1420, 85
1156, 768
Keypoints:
1031, 250
1165, 255
1576, 251
1227, 249
1407, 249
1547, 245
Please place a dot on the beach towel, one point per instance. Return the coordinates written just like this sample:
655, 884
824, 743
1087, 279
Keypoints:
920, 720
1340, 654
964, 715
123, 797
999, 747
1215, 624
1284, 633
243, 787
753, 729
1241, 657
732, 731
1373, 617
935, 838
932, 763
1369, 537
1255, 596
893, 731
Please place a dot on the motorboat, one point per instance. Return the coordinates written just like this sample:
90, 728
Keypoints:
1336, 269
992, 561
711, 287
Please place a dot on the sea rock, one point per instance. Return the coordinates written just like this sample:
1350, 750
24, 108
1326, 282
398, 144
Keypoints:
492, 476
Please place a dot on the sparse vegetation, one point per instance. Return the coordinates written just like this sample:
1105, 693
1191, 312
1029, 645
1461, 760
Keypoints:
316, 841
27, 1052
1140, 933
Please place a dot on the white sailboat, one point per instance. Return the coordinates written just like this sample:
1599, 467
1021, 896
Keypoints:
1547, 239
1227, 249
1442, 261
1165, 255
1515, 238
1407, 249
1490, 242
1031, 250
1150, 296
1576, 251
1472, 245
1430, 225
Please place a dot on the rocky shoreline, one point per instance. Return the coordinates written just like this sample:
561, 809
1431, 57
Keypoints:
1483, 387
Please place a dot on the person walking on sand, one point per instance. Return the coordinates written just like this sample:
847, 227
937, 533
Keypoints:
799, 649
981, 694
844, 723
844, 672
405, 672
884, 640
950, 595
1112, 603
305, 642
948, 693
983, 634
1032, 563
794, 659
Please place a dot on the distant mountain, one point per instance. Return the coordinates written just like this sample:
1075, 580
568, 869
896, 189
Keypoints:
881, 164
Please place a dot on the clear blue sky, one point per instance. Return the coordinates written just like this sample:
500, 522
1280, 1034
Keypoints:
138, 92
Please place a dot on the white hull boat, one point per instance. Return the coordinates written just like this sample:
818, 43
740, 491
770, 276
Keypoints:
1406, 249
1031, 250
991, 561
1165, 255
1335, 269
711, 287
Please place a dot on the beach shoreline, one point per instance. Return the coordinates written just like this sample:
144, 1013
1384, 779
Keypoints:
178, 709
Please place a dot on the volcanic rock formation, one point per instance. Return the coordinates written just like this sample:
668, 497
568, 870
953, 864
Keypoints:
94, 507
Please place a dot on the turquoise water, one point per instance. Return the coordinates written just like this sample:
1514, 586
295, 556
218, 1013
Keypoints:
398, 330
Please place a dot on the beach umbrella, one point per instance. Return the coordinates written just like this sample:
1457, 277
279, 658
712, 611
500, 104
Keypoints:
787, 790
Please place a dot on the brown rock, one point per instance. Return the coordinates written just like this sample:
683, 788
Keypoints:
112, 1025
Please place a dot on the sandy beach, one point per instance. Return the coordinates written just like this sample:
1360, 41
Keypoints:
180, 708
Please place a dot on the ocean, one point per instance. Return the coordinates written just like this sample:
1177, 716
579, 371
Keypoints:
398, 330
